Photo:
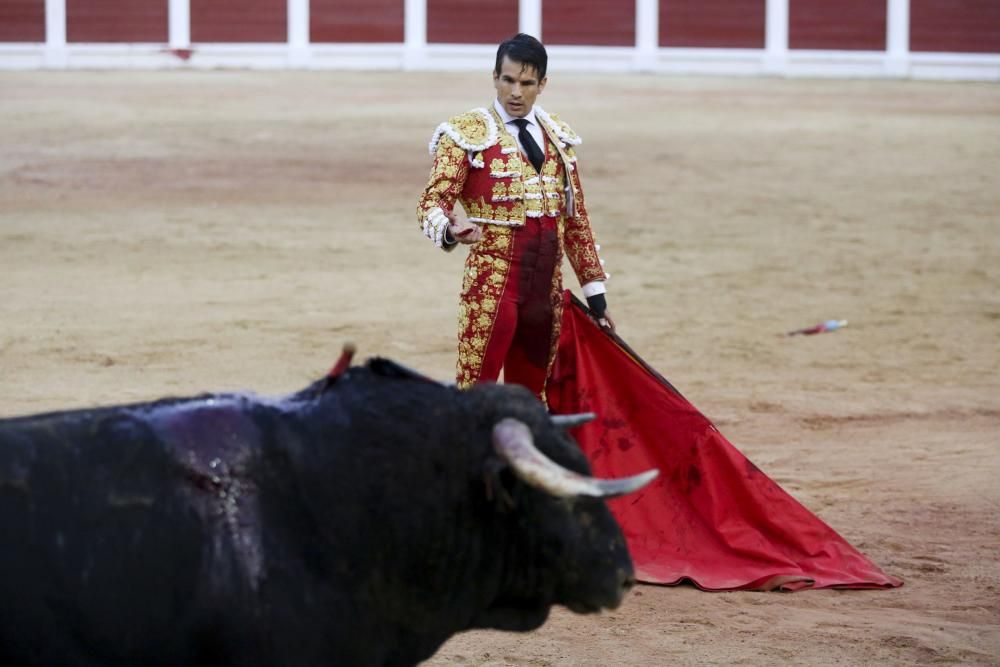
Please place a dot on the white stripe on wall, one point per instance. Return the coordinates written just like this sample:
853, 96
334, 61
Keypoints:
647, 34
179, 24
776, 36
298, 32
414, 33
55, 33
897, 38
529, 18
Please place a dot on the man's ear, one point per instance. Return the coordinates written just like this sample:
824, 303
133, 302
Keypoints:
541, 84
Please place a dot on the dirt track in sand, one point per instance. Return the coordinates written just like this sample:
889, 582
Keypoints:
173, 232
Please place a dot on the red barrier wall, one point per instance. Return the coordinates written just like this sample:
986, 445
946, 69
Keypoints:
969, 26
116, 21
588, 22
847, 25
464, 22
712, 23
22, 21
964, 26
356, 21
239, 20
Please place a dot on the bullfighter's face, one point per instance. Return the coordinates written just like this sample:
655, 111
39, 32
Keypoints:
517, 87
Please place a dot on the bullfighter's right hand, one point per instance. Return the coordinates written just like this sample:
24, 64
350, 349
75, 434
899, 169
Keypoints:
463, 231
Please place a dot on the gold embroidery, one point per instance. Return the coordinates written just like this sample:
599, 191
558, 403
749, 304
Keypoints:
481, 290
447, 176
579, 239
495, 240
556, 302
471, 126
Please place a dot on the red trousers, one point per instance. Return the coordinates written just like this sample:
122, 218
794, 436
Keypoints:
521, 339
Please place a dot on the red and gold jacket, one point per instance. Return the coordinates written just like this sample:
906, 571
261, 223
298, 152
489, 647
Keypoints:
477, 163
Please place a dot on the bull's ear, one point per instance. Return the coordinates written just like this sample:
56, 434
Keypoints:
498, 482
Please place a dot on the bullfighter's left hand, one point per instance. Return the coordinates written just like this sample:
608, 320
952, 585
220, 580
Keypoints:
605, 322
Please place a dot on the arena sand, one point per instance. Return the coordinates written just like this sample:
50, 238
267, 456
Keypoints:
171, 233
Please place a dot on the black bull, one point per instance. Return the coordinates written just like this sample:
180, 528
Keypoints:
361, 521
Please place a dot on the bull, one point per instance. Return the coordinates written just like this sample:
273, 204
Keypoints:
360, 521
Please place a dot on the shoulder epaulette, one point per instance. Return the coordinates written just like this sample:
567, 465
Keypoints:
559, 128
473, 130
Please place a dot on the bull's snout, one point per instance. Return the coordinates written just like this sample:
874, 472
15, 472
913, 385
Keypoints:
626, 580
608, 594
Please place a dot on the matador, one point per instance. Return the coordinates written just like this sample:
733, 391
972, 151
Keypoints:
513, 168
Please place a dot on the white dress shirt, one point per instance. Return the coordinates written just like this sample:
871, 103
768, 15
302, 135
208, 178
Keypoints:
534, 129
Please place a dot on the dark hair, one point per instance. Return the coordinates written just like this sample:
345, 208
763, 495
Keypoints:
524, 49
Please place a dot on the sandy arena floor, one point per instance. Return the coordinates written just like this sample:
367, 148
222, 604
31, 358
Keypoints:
177, 232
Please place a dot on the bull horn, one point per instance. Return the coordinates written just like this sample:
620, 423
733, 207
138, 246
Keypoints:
569, 421
513, 442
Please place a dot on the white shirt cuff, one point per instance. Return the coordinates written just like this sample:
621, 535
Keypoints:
593, 288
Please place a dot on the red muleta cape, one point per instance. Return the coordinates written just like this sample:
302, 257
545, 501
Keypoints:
711, 517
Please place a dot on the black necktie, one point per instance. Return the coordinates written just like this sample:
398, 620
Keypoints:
528, 144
